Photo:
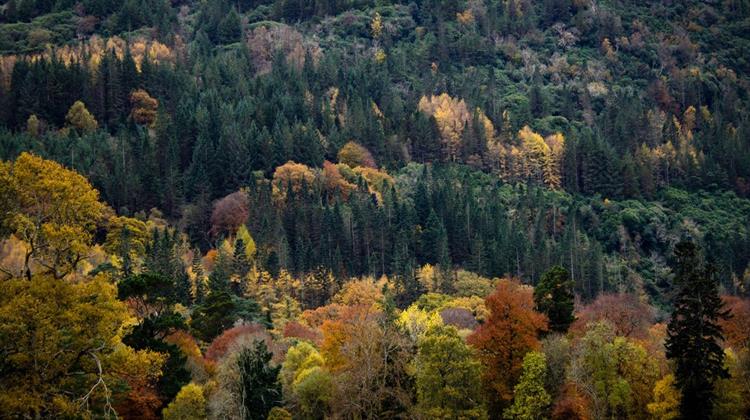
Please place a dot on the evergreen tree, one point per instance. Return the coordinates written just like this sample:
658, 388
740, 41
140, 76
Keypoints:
435, 241
694, 333
184, 289
218, 280
240, 262
229, 29
260, 389
200, 282
553, 296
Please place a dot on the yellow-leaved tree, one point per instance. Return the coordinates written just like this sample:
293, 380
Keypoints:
62, 349
542, 157
80, 118
451, 116
53, 210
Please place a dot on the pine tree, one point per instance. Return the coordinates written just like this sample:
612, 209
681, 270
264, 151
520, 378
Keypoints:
554, 297
229, 29
693, 333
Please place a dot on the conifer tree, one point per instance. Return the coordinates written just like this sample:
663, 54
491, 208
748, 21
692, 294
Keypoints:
554, 297
218, 280
694, 333
260, 389
200, 283
240, 262
183, 286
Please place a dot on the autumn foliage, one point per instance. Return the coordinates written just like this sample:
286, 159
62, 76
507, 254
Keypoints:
510, 331
629, 316
229, 213
143, 107
354, 154
737, 328
221, 344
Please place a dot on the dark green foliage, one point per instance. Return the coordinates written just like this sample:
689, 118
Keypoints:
694, 333
154, 298
219, 312
553, 296
152, 290
218, 280
224, 124
259, 384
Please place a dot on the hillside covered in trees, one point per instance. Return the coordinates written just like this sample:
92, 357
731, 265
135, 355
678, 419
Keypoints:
312, 209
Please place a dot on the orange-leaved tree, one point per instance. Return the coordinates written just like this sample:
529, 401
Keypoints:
508, 334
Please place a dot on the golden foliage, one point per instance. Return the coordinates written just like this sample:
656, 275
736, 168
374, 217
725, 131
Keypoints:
451, 116
541, 158
294, 175
666, 399
354, 155
466, 17
63, 339
376, 26
54, 212
80, 118
189, 404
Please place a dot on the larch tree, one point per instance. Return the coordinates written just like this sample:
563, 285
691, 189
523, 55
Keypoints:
451, 115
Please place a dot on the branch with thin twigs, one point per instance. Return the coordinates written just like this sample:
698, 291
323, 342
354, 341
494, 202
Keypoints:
108, 409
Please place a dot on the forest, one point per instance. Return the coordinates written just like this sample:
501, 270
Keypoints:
309, 209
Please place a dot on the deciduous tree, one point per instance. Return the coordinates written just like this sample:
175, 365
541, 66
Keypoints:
61, 348
448, 376
80, 118
189, 404
506, 336
530, 399
54, 211
143, 107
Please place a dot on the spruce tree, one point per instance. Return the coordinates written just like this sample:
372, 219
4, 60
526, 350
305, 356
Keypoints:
553, 296
240, 262
694, 333
218, 280
259, 386
184, 289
